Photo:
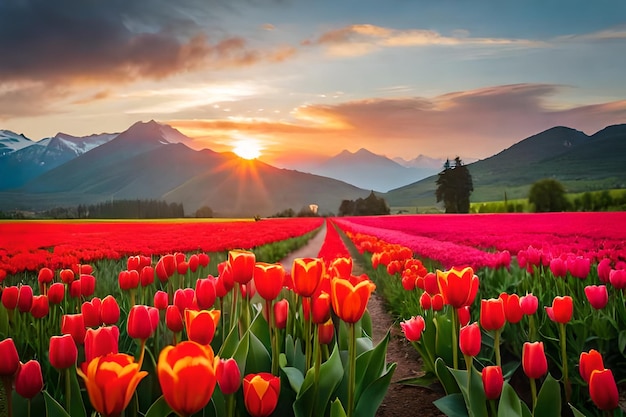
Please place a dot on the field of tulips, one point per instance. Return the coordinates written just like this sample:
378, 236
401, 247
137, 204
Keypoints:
156, 319
520, 314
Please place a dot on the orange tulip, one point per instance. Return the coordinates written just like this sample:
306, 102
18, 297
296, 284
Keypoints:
306, 274
260, 393
242, 265
268, 279
349, 300
111, 381
201, 325
458, 286
187, 376
341, 267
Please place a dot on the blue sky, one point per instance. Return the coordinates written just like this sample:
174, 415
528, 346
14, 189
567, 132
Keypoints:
311, 78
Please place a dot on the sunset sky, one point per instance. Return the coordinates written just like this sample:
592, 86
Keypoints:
398, 77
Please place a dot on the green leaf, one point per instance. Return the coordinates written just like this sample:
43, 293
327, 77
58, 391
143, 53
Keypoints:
159, 408
294, 376
452, 405
336, 409
621, 341
261, 330
474, 398
370, 365
549, 399
445, 377
510, 404
230, 344
366, 323
77, 408
312, 400
370, 399
425, 381
53, 408
259, 359
576, 412
443, 346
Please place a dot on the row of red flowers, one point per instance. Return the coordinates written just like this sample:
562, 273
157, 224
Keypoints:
31, 245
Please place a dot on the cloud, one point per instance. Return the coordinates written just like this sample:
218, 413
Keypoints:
355, 40
474, 123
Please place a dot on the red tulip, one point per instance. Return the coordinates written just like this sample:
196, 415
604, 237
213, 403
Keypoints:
56, 293
165, 267
187, 376
326, 331
306, 274
45, 277
437, 302
194, 263
161, 300
589, 362
25, 298
29, 380
470, 339
617, 278
228, 376
74, 325
604, 270
413, 328
87, 285
597, 295
512, 308
139, 324
67, 276
40, 306
492, 381
281, 312
579, 266
529, 304
242, 265
10, 362
185, 298
100, 342
558, 267
341, 267
458, 286
173, 319
320, 308
128, 280
268, 280
260, 393
425, 301
146, 276
205, 293
225, 278
492, 315
9, 297
534, 360
561, 310
110, 310
92, 311
133, 263
75, 289
62, 351
464, 315
201, 325
182, 267
603, 390
204, 259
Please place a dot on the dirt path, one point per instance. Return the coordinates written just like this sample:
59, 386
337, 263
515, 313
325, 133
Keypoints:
401, 400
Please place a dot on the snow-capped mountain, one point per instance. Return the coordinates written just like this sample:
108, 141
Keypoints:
11, 142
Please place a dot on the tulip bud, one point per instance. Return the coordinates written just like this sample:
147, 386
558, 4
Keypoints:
603, 390
534, 360
492, 381
161, 300
589, 362
139, 324
56, 293
29, 380
470, 339
529, 304
10, 362
228, 376
597, 295
40, 306
110, 310
326, 331
74, 325
62, 351
281, 312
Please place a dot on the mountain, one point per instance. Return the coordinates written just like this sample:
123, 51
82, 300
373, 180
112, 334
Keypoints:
422, 161
142, 163
369, 171
11, 142
579, 161
31, 159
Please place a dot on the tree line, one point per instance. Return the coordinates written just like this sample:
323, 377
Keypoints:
119, 209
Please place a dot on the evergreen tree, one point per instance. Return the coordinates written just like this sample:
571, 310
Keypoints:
454, 186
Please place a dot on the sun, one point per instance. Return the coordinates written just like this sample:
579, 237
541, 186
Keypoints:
247, 148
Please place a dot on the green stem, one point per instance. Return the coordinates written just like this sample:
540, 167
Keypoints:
307, 337
273, 336
143, 351
352, 370
531, 328
468, 366
533, 392
7, 382
233, 309
492, 407
68, 390
496, 347
566, 383
317, 353
455, 339
230, 405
